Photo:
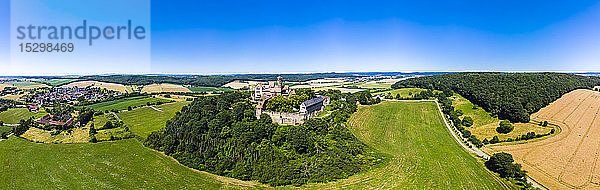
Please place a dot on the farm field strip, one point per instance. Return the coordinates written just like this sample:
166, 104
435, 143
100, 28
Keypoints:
568, 160
122, 104
96, 84
424, 154
144, 121
14, 115
157, 88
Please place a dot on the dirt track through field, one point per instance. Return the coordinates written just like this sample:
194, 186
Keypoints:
568, 160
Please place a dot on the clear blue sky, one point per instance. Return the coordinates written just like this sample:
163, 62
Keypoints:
208, 37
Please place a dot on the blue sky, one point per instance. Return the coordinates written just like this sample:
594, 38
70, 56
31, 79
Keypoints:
216, 37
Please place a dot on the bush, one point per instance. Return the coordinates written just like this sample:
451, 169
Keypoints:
467, 121
505, 127
502, 163
494, 140
93, 139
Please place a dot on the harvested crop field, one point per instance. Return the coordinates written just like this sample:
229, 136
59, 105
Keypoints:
238, 84
157, 88
569, 159
96, 84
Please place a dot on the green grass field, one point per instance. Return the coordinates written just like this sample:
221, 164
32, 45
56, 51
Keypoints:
484, 125
404, 92
5, 129
209, 89
14, 115
424, 154
122, 104
123, 164
58, 82
23, 83
144, 121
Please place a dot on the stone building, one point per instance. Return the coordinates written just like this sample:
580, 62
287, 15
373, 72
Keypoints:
308, 109
264, 91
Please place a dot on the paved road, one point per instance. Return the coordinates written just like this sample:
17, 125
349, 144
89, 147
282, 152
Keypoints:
460, 140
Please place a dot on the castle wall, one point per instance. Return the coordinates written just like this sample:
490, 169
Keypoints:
292, 118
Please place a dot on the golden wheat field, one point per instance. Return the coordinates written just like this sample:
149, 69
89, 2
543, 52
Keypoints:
568, 160
157, 88
96, 84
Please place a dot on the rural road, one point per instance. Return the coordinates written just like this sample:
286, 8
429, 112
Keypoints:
156, 108
476, 150
458, 139
6, 137
116, 116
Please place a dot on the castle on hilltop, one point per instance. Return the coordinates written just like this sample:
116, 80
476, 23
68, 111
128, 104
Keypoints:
308, 109
264, 91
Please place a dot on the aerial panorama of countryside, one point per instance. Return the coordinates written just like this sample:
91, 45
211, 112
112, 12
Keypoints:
157, 94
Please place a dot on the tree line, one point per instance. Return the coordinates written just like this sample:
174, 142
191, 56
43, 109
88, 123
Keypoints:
211, 81
512, 96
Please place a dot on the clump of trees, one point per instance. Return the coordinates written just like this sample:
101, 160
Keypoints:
512, 96
505, 127
529, 135
503, 164
23, 126
449, 110
221, 135
85, 116
292, 103
365, 98
467, 121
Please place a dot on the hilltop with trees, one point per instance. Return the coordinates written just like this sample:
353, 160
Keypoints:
512, 96
221, 135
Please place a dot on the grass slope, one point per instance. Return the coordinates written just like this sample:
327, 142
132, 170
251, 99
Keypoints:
484, 125
405, 92
122, 104
5, 129
424, 155
14, 115
143, 121
124, 164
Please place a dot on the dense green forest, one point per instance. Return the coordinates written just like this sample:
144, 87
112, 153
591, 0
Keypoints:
214, 81
512, 96
221, 135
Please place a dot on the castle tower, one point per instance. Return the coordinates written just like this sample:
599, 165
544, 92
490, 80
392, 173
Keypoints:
280, 82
